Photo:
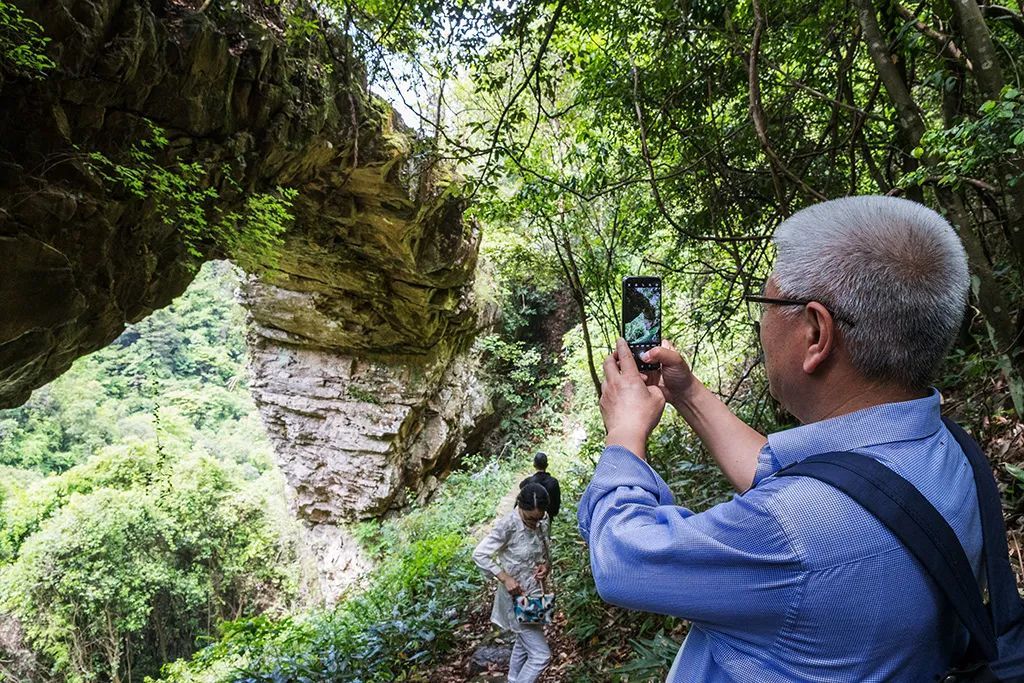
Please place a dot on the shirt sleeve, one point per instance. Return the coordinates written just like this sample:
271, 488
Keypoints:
545, 531
731, 565
490, 545
556, 497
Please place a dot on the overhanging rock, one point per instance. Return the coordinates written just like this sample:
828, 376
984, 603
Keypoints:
359, 325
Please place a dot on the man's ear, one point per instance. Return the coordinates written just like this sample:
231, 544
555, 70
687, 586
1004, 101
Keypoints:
820, 336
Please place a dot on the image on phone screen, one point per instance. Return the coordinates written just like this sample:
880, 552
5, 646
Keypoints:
641, 313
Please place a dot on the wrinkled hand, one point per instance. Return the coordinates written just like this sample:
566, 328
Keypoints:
630, 408
674, 379
541, 572
512, 586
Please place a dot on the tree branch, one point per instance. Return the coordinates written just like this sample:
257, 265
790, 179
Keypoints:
534, 68
758, 117
945, 43
653, 178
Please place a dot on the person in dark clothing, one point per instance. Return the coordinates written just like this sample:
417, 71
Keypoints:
550, 484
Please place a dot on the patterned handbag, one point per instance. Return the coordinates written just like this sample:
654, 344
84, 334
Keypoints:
538, 609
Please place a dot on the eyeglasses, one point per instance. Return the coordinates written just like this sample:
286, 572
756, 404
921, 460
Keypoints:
758, 299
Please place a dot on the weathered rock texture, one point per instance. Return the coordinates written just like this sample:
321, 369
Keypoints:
353, 434
359, 328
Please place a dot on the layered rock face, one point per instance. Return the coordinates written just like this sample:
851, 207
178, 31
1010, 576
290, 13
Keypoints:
355, 436
359, 325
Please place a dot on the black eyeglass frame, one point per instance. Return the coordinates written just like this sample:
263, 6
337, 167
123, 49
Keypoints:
758, 299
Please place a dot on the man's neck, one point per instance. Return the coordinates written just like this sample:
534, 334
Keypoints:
859, 396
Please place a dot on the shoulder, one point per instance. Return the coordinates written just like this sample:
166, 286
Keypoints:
824, 526
756, 508
506, 523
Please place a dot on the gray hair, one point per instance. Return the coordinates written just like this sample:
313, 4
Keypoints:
893, 267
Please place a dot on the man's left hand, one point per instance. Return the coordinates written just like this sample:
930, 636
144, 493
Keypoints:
630, 408
541, 572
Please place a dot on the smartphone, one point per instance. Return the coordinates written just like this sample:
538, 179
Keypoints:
641, 316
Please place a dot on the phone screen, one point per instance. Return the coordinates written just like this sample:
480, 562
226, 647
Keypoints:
641, 312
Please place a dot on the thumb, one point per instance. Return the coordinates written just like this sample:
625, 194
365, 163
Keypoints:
663, 355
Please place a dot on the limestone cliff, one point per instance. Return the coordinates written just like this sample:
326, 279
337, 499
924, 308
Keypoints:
359, 325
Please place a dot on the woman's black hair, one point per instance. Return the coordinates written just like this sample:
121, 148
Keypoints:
532, 497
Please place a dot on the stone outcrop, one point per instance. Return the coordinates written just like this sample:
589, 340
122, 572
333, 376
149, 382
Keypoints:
360, 323
354, 435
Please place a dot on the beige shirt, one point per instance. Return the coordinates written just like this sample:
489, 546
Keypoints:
517, 549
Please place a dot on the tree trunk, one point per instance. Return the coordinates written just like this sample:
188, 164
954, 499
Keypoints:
572, 278
990, 298
979, 46
981, 50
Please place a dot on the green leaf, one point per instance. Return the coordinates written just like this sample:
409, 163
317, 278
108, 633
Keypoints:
1017, 472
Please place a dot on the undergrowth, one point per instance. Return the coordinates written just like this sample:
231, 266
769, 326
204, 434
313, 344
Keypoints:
398, 625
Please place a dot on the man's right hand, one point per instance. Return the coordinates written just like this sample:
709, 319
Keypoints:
734, 445
675, 379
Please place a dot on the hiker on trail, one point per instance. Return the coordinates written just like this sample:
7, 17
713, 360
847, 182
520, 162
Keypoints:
516, 553
550, 484
791, 580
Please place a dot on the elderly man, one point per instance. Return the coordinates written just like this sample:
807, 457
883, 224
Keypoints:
791, 580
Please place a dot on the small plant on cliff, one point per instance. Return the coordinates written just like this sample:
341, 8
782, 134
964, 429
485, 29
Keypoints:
22, 44
186, 199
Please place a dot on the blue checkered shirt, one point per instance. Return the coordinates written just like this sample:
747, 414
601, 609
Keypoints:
791, 580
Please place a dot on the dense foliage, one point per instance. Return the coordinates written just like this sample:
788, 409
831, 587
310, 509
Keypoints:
181, 369
396, 628
609, 138
160, 516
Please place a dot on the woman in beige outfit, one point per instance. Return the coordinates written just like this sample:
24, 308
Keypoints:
516, 553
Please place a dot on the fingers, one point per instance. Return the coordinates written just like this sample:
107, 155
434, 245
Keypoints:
652, 378
664, 354
652, 355
626, 363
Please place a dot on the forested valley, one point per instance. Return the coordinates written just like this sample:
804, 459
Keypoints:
291, 292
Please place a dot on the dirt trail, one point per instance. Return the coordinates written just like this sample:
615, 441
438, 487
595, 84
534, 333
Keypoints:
504, 507
477, 630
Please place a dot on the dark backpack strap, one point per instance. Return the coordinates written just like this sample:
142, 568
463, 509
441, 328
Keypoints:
918, 525
1002, 585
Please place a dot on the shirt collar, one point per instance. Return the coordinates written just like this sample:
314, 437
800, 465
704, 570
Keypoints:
885, 423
